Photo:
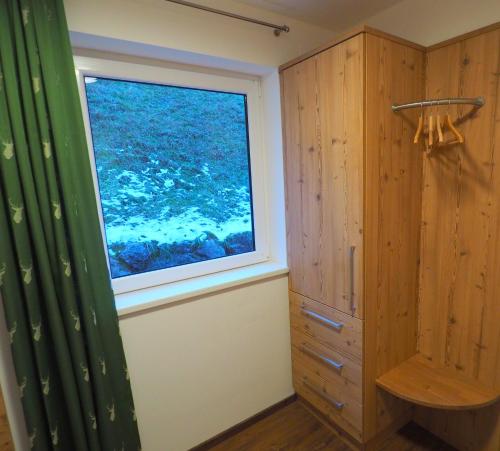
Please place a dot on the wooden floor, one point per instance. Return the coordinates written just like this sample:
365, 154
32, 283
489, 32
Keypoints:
5, 437
295, 428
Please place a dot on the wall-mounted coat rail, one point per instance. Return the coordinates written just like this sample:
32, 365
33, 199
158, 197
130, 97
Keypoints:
476, 101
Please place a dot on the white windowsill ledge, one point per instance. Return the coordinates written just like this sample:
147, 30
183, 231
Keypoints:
152, 298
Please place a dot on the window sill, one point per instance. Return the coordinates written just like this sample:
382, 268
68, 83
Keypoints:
152, 298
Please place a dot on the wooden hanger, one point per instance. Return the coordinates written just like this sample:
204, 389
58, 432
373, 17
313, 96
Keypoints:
438, 127
431, 130
449, 123
460, 138
420, 127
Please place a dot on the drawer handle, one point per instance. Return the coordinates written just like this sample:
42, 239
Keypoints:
336, 365
322, 319
338, 405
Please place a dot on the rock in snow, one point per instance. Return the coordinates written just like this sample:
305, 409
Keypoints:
238, 243
135, 257
210, 249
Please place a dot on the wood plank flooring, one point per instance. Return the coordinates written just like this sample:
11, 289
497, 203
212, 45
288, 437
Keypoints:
5, 436
295, 428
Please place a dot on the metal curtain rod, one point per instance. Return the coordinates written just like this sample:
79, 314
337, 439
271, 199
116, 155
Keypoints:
476, 101
277, 28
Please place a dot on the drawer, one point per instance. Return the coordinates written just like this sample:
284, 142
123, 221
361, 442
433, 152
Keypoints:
330, 399
328, 364
328, 326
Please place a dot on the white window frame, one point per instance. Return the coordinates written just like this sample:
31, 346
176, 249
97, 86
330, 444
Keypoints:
184, 77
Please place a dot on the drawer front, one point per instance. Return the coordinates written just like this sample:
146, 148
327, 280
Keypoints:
328, 326
328, 364
330, 399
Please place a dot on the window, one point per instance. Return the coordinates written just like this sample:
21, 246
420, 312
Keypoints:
176, 157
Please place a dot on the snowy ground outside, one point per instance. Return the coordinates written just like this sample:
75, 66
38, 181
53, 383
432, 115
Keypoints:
186, 227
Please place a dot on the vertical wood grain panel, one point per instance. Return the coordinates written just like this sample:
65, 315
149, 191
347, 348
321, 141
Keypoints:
341, 94
303, 177
460, 271
393, 173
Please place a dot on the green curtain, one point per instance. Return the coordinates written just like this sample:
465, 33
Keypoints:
54, 279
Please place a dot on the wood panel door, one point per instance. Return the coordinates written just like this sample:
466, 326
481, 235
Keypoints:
323, 101
303, 177
341, 113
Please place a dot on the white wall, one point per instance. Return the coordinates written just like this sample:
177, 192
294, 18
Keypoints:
428, 22
199, 367
166, 25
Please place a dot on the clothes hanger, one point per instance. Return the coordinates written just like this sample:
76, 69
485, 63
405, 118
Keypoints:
420, 126
431, 130
438, 126
449, 123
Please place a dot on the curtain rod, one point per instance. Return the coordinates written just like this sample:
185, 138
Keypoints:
277, 28
476, 101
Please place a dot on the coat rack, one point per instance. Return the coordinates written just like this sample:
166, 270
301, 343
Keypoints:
476, 101
434, 125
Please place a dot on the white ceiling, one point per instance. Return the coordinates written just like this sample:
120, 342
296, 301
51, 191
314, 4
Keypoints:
333, 14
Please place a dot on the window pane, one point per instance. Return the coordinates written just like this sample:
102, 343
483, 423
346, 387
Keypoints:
174, 173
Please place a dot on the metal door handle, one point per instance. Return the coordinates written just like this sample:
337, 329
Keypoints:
352, 250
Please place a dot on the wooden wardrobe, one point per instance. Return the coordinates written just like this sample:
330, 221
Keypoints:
353, 199
394, 252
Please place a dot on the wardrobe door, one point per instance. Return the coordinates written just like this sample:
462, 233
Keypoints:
341, 115
323, 115
303, 168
